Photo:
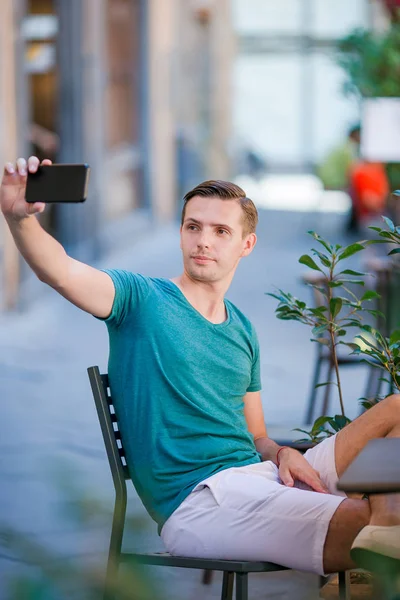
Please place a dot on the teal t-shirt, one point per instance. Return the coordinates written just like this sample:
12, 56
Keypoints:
178, 382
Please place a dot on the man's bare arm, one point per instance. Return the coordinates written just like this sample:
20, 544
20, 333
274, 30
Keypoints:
292, 465
86, 287
254, 415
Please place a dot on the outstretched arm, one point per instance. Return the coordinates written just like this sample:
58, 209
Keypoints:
86, 287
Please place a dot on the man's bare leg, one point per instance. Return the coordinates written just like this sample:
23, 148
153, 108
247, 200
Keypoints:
350, 517
383, 420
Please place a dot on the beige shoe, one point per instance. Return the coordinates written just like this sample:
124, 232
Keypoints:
377, 548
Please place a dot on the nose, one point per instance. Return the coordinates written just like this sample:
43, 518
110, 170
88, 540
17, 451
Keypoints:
203, 240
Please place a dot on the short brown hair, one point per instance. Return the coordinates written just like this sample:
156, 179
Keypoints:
226, 191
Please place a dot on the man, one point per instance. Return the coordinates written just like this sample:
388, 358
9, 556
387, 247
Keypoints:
334, 171
184, 370
370, 191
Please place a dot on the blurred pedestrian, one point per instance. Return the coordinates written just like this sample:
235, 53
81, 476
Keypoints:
369, 186
335, 170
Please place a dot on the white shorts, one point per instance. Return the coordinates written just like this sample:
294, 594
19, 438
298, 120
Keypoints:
246, 513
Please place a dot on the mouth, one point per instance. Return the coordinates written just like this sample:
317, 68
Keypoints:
202, 260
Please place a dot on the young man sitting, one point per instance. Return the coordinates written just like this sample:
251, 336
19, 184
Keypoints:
184, 370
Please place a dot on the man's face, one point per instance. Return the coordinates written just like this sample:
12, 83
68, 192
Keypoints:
212, 239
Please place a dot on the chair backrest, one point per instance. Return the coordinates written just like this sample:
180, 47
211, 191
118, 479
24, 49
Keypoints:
109, 426
388, 286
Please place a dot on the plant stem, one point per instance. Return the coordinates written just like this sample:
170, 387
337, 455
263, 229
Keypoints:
336, 365
332, 336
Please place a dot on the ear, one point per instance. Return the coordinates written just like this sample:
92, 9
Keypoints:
249, 243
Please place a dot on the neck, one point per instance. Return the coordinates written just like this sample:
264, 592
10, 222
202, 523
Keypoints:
206, 298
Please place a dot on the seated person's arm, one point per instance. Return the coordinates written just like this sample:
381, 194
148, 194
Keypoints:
293, 466
254, 414
86, 287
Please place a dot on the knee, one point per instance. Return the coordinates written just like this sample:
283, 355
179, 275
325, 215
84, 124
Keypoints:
392, 403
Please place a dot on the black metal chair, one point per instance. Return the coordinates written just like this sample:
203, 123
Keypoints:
387, 277
231, 569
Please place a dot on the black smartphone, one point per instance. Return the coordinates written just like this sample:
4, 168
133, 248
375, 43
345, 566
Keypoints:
58, 183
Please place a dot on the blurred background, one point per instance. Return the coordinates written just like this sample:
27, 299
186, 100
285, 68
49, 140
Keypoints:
156, 96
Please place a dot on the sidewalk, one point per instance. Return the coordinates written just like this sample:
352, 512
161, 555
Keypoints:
50, 434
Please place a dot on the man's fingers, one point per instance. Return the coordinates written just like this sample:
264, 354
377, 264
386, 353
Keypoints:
286, 477
9, 169
316, 484
37, 207
46, 161
33, 164
22, 166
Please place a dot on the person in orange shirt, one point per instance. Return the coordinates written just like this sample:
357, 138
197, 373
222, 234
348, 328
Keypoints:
369, 190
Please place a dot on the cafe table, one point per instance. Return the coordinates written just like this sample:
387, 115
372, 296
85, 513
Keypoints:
376, 470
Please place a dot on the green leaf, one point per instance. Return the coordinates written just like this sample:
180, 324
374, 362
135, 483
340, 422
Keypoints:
389, 223
319, 329
368, 328
395, 251
289, 317
395, 337
368, 343
318, 311
274, 296
373, 364
334, 284
301, 430
350, 323
321, 241
326, 383
341, 332
351, 272
323, 341
350, 250
338, 422
369, 295
353, 281
320, 422
309, 262
352, 346
335, 306
323, 258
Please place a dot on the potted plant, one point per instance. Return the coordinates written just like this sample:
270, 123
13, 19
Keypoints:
340, 310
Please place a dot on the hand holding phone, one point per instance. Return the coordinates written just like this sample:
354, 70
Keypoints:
58, 183
13, 186
13, 190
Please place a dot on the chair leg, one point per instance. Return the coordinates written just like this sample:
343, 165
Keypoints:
242, 588
344, 585
313, 393
327, 393
207, 576
227, 585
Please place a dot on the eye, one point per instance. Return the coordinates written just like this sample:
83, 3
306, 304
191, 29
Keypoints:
222, 231
192, 227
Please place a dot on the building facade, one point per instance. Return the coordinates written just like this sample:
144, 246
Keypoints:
135, 88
